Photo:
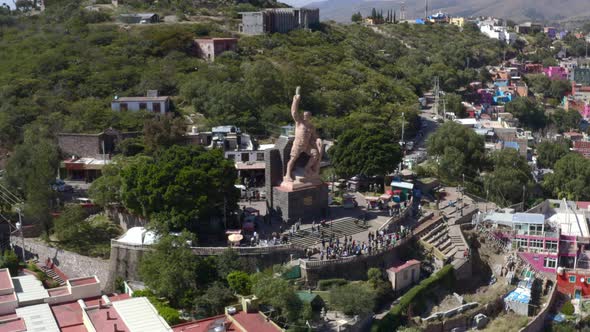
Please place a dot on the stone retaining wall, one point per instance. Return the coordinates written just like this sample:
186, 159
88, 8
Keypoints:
72, 264
124, 261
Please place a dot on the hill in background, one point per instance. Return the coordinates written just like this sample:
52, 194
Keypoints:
518, 10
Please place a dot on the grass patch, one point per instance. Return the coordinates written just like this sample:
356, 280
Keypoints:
507, 322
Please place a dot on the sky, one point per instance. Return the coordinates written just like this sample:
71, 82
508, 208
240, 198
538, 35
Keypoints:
297, 3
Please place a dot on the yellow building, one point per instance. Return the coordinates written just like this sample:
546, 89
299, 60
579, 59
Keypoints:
458, 21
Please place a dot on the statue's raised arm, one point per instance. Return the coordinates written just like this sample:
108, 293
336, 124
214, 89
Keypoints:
295, 106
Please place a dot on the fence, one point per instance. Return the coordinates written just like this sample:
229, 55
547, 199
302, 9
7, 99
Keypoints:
395, 219
214, 251
307, 264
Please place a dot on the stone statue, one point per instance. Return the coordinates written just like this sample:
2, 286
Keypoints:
306, 141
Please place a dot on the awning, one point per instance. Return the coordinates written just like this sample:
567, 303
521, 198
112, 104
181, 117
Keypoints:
250, 166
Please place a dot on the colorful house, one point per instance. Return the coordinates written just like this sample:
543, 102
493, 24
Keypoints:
556, 73
574, 282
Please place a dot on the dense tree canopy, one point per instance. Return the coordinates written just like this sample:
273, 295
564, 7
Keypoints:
278, 293
571, 178
510, 177
530, 114
565, 120
458, 150
548, 153
179, 186
370, 153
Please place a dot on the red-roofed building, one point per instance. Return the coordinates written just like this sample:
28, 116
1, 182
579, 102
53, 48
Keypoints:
243, 317
573, 136
404, 275
582, 148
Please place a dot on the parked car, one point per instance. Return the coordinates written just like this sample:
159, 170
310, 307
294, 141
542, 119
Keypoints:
60, 186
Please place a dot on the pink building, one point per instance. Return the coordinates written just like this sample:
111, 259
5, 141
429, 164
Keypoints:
556, 73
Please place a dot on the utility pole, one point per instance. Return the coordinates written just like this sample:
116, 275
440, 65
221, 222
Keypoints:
402, 143
224, 212
523, 197
436, 94
22, 233
463, 195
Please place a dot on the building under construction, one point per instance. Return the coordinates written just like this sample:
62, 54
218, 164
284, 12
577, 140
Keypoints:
281, 20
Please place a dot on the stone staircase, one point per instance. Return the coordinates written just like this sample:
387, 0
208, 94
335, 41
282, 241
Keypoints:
51, 274
447, 241
340, 228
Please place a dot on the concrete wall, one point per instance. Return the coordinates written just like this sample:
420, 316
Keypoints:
72, 264
125, 219
124, 260
354, 268
538, 322
134, 106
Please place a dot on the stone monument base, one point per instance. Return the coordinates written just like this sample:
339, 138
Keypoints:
307, 203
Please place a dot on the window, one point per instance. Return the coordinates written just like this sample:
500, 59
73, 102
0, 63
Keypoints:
142, 106
572, 279
123, 107
520, 243
587, 280
156, 107
551, 246
536, 244
550, 262
536, 229
231, 157
406, 275
260, 156
245, 157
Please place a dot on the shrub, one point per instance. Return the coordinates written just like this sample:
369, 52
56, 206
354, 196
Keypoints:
10, 261
240, 282
415, 297
326, 284
568, 308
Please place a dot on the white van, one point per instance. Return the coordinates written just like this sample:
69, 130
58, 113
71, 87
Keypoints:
242, 190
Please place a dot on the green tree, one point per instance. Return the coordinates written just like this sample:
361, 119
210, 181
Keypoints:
163, 132
559, 88
279, 294
240, 282
565, 120
459, 150
31, 170
538, 83
455, 105
9, 260
548, 153
356, 17
570, 178
214, 300
180, 186
360, 151
529, 113
510, 177
228, 262
353, 299
171, 269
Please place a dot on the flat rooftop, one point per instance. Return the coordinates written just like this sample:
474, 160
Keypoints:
38, 318
83, 281
206, 325
13, 325
140, 315
28, 289
5, 281
254, 322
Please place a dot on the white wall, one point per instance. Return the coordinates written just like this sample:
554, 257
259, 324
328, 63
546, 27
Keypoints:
134, 106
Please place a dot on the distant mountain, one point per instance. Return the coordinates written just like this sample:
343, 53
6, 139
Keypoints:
518, 10
297, 3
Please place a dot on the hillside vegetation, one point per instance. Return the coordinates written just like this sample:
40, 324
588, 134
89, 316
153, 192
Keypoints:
61, 69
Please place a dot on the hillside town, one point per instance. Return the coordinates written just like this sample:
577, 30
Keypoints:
247, 166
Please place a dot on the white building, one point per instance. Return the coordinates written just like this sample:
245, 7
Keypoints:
152, 103
498, 32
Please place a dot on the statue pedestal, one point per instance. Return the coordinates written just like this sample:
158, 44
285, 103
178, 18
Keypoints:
301, 200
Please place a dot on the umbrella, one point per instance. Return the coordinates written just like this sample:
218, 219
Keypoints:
235, 237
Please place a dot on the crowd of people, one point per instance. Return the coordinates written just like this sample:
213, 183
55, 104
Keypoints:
334, 248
